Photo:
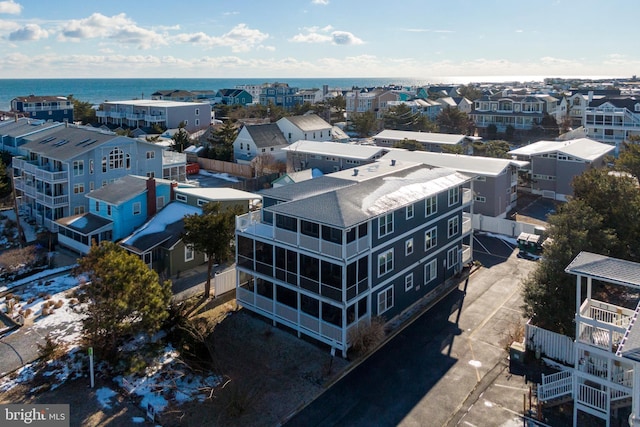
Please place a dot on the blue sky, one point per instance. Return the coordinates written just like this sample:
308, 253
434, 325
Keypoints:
317, 38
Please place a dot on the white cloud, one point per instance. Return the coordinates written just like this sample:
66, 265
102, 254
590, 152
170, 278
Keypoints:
28, 32
325, 35
118, 28
240, 39
10, 7
8, 25
320, 2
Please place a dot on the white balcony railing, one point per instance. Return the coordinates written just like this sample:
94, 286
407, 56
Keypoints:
155, 118
466, 223
466, 254
52, 107
606, 313
117, 114
102, 113
592, 397
467, 196
555, 385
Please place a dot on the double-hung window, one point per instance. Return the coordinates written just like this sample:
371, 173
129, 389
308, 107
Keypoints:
430, 238
385, 225
453, 226
430, 206
430, 270
385, 262
454, 196
385, 300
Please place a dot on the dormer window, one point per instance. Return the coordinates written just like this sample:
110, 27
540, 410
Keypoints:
636, 107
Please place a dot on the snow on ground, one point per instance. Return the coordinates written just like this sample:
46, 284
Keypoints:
224, 176
34, 277
165, 380
104, 396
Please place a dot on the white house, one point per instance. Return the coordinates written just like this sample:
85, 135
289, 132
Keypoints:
309, 127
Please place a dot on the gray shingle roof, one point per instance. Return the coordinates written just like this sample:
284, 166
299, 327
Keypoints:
308, 123
351, 205
64, 143
307, 188
120, 190
268, 135
86, 223
605, 268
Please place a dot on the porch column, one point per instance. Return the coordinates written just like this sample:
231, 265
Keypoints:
634, 417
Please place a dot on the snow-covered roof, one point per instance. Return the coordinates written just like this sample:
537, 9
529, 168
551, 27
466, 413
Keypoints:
159, 228
327, 148
218, 193
423, 137
581, 148
486, 166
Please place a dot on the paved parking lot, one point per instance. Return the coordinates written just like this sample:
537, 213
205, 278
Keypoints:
449, 367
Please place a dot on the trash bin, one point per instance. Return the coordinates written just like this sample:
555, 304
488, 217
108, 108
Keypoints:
516, 358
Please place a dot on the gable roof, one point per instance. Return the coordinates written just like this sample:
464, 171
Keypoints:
267, 135
24, 126
307, 123
120, 190
165, 228
581, 148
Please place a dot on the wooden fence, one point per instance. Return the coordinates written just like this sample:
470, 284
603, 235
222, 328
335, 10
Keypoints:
552, 345
235, 169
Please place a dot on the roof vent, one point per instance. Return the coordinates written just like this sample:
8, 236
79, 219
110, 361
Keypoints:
355, 172
393, 162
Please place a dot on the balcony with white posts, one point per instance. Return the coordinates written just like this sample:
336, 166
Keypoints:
251, 224
603, 324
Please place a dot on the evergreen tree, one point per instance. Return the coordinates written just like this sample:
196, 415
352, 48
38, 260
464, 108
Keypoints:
602, 217
364, 124
212, 233
221, 141
409, 144
181, 138
629, 158
125, 297
452, 120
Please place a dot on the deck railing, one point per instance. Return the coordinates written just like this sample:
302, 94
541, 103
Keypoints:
555, 385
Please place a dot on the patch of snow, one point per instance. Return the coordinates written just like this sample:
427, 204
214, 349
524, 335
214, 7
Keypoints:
104, 396
170, 214
34, 278
224, 176
137, 420
22, 375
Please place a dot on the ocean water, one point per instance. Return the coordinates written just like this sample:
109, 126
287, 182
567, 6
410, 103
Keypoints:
100, 90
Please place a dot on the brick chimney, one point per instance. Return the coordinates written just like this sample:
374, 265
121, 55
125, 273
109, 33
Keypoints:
172, 191
151, 197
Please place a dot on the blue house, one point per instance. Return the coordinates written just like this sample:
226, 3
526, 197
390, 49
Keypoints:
115, 211
233, 97
49, 108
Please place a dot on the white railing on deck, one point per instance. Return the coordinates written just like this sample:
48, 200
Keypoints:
555, 385
592, 397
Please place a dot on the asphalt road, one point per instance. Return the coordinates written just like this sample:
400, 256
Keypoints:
432, 372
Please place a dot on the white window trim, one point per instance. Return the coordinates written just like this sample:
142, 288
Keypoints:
385, 255
451, 265
408, 282
189, 253
429, 268
388, 230
453, 221
408, 244
137, 211
410, 211
181, 198
383, 294
435, 206
434, 239
453, 200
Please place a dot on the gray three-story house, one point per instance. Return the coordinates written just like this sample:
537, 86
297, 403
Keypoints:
327, 255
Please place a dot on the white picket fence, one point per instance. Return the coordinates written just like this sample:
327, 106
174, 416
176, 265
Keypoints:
552, 345
224, 282
501, 226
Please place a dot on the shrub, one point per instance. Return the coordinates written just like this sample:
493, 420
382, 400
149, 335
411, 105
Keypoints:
51, 349
364, 339
58, 304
